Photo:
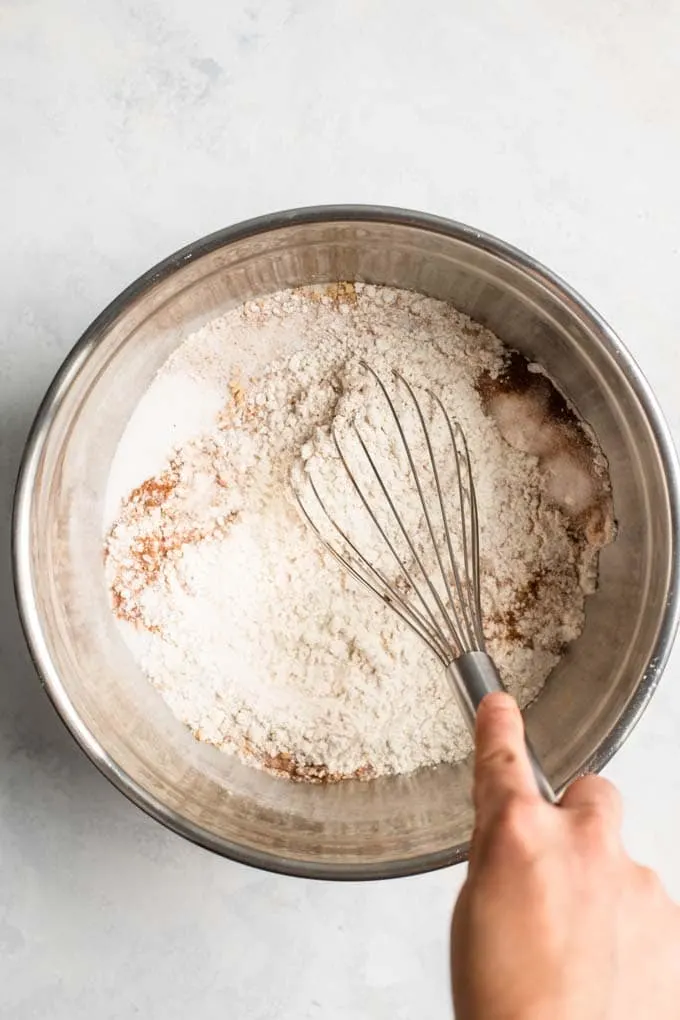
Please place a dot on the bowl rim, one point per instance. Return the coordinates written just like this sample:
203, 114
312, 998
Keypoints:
79, 353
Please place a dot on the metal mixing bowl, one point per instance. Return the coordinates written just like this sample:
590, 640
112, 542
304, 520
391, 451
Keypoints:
390, 826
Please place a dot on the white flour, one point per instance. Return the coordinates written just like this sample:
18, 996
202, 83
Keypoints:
249, 629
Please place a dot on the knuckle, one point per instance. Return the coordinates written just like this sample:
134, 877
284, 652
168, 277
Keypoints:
596, 790
516, 827
648, 882
597, 834
593, 822
595, 814
609, 796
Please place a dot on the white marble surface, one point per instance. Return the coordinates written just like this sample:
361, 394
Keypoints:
130, 127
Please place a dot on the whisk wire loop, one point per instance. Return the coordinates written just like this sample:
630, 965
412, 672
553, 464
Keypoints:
469, 529
409, 541
370, 577
446, 615
465, 634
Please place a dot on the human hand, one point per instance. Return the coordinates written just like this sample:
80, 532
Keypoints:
555, 921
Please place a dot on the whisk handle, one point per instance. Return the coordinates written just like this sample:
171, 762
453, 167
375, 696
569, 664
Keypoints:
472, 676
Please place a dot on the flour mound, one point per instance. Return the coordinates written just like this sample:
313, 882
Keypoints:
250, 630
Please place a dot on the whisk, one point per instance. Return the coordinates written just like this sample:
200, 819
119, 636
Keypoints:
436, 587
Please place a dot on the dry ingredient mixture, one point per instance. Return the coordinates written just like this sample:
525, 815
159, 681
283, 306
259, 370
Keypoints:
251, 632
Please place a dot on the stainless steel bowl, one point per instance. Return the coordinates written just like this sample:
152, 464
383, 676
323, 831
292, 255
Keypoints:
353, 830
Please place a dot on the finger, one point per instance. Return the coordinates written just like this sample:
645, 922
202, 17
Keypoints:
595, 796
502, 766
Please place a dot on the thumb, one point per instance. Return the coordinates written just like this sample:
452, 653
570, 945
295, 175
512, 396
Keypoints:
502, 767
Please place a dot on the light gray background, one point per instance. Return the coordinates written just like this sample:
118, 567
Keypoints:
127, 129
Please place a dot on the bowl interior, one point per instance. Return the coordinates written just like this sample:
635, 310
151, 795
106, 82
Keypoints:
389, 826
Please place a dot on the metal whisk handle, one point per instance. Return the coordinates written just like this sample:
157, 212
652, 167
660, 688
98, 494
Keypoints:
472, 676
